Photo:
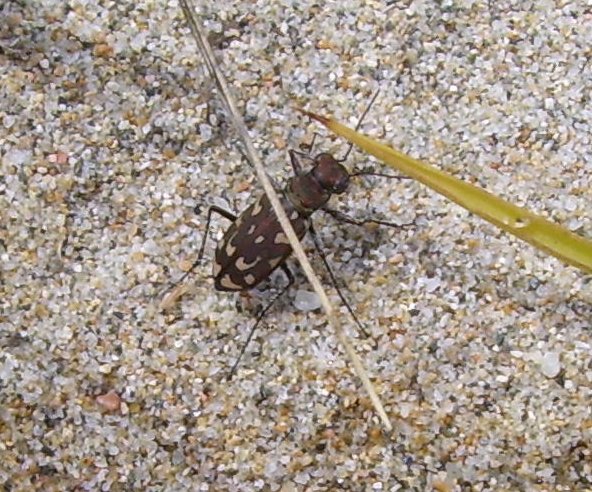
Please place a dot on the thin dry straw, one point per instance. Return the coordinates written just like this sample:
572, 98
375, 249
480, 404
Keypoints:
335, 322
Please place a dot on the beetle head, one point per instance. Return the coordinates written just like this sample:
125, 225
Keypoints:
330, 174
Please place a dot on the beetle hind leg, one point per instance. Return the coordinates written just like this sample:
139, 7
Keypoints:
290, 278
319, 249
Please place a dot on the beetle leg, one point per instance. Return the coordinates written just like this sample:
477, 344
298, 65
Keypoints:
220, 211
296, 166
380, 175
359, 124
289, 275
360, 222
262, 314
319, 248
310, 146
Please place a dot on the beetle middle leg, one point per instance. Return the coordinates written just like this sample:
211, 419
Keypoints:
360, 222
290, 278
212, 209
220, 211
363, 172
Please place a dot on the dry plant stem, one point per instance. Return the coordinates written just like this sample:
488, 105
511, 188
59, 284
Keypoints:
204, 46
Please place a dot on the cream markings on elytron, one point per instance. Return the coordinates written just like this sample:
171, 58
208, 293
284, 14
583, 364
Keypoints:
242, 265
280, 238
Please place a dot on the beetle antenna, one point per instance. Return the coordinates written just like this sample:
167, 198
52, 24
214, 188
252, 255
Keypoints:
351, 145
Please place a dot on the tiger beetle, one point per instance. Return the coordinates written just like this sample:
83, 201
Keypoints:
255, 245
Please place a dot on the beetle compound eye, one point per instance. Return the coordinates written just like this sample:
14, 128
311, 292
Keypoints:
341, 183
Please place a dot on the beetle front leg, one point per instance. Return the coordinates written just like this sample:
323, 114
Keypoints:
309, 147
294, 160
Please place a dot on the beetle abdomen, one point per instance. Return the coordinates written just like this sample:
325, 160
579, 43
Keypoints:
254, 246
